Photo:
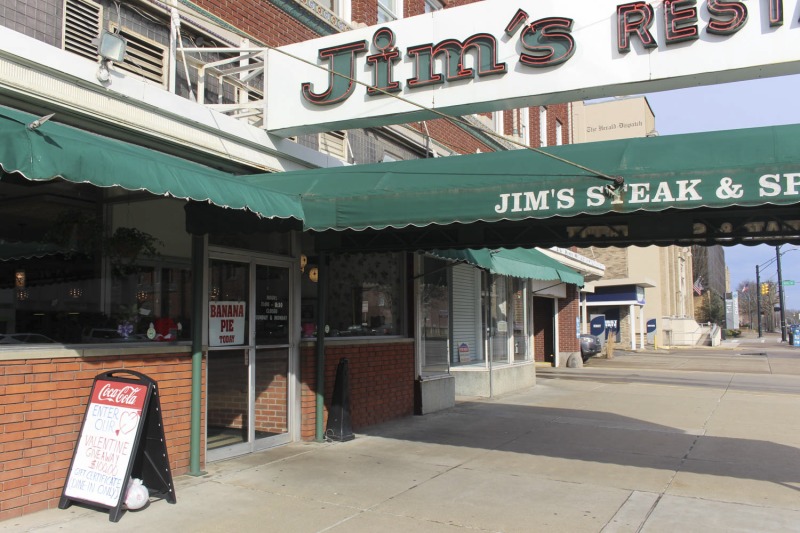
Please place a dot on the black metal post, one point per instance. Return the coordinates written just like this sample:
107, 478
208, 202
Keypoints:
780, 294
758, 300
322, 319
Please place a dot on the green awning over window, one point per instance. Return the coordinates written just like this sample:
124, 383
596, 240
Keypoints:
56, 150
519, 262
749, 167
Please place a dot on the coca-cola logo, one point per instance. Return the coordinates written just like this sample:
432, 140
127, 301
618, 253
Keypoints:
126, 395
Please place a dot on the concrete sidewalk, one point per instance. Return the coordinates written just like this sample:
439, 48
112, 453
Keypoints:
620, 445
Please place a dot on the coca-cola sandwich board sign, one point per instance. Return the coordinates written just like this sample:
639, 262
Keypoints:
122, 421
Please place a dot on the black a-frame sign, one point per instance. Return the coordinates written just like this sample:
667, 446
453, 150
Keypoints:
122, 437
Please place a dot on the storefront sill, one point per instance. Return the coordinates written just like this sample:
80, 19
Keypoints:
434, 377
64, 352
359, 340
484, 368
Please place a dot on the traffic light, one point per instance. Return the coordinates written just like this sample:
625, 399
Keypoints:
765, 288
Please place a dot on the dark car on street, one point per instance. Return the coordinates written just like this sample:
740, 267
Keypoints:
590, 345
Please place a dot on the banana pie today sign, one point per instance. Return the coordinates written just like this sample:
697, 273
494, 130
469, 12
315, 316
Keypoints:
503, 54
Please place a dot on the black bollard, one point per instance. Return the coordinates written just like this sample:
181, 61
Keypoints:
339, 427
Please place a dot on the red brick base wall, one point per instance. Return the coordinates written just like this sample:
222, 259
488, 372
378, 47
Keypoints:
42, 403
381, 382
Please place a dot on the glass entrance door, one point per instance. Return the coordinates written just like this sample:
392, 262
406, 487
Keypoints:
272, 350
249, 363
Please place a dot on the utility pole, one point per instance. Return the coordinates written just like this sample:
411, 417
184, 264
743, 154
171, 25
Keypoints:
780, 294
758, 300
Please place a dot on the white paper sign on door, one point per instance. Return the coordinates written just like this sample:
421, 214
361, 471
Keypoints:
226, 323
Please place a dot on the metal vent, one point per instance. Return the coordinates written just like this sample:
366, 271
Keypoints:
81, 27
334, 143
143, 57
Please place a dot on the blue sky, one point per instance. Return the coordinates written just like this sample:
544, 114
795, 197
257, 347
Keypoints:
764, 102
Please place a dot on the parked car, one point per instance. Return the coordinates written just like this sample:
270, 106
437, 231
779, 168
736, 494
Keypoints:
590, 345
25, 338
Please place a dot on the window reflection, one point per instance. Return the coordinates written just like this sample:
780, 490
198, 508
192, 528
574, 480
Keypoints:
435, 315
365, 296
79, 264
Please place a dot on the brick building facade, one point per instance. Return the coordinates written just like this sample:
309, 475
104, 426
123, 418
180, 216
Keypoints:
45, 388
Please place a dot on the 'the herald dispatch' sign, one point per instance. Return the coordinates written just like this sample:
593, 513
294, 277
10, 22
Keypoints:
106, 445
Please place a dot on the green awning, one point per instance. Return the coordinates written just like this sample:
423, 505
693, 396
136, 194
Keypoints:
519, 262
17, 251
749, 167
55, 150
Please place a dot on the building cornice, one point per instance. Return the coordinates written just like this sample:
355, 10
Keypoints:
313, 16
37, 76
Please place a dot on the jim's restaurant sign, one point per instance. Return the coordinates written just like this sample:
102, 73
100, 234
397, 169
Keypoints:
503, 54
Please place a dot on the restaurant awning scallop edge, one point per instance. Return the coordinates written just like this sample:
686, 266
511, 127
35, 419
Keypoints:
747, 168
54, 150
519, 263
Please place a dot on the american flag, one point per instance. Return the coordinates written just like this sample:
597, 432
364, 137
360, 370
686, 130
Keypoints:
698, 287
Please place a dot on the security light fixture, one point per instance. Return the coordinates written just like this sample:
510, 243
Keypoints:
111, 48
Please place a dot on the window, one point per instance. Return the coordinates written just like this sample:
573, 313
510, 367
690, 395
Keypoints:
499, 326
520, 318
434, 294
467, 335
559, 133
498, 122
340, 8
79, 264
542, 126
433, 5
389, 10
525, 126
334, 143
366, 296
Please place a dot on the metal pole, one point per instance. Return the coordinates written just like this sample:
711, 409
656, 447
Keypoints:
322, 291
198, 266
758, 301
780, 294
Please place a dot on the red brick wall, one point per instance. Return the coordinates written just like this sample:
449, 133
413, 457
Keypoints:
227, 394
452, 136
568, 312
381, 382
364, 11
555, 112
259, 19
41, 410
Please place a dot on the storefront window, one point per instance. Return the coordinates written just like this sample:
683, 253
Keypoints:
365, 295
501, 324
434, 316
519, 298
80, 264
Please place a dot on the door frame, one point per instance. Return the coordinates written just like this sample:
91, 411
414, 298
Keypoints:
253, 259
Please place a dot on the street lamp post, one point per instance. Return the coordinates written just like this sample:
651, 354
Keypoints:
758, 300
780, 293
